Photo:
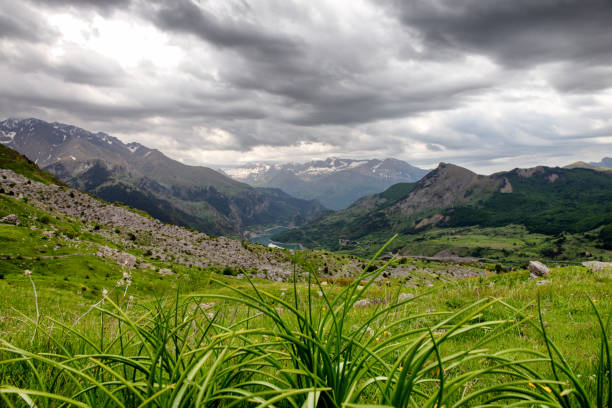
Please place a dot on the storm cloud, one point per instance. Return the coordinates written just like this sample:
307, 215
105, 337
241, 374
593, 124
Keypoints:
486, 84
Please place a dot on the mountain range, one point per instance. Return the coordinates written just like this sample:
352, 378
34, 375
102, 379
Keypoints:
335, 182
606, 162
144, 178
543, 200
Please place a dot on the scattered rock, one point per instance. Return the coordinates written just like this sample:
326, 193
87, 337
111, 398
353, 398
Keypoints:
597, 265
10, 219
165, 272
120, 258
537, 268
542, 282
129, 260
362, 303
206, 306
405, 296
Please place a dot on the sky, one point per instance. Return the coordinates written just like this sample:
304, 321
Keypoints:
489, 85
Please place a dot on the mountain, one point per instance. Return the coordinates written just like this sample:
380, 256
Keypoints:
584, 165
543, 200
335, 182
606, 162
146, 179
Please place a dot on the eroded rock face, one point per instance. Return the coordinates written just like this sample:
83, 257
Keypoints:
537, 268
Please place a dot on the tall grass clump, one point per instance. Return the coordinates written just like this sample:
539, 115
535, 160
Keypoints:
312, 345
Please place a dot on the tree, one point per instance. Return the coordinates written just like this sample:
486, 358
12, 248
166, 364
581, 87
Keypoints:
605, 235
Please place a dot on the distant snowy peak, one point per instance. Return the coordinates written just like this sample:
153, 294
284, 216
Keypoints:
335, 182
249, 171
383, 169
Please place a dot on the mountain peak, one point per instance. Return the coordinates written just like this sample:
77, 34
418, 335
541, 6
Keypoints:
452, 171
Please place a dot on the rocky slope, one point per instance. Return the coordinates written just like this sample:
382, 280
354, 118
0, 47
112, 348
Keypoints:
335, 182
144, 178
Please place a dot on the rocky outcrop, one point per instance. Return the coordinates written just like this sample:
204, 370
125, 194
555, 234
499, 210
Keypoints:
507, 187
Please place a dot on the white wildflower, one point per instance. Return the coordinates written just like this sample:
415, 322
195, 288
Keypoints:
27, 272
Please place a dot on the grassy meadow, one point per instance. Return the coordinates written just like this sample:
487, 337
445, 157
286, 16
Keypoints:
199, 338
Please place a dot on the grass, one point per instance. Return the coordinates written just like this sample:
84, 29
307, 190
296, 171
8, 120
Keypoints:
498, 340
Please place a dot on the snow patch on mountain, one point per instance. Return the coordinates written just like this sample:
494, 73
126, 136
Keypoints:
250, 171
6, 137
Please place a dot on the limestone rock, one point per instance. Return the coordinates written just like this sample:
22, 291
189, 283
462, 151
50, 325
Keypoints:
537, 268
405, 296
597, 265
10, 219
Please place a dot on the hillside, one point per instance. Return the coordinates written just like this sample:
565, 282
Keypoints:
47, 225
144, 178
541, 200
335, 182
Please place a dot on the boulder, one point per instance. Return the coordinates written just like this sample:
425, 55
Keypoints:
537, 268
165, 272
123, 258
10, 219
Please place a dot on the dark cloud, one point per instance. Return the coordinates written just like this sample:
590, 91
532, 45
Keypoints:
581, 78
102, 6
516, 33
187, 17
21, 23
